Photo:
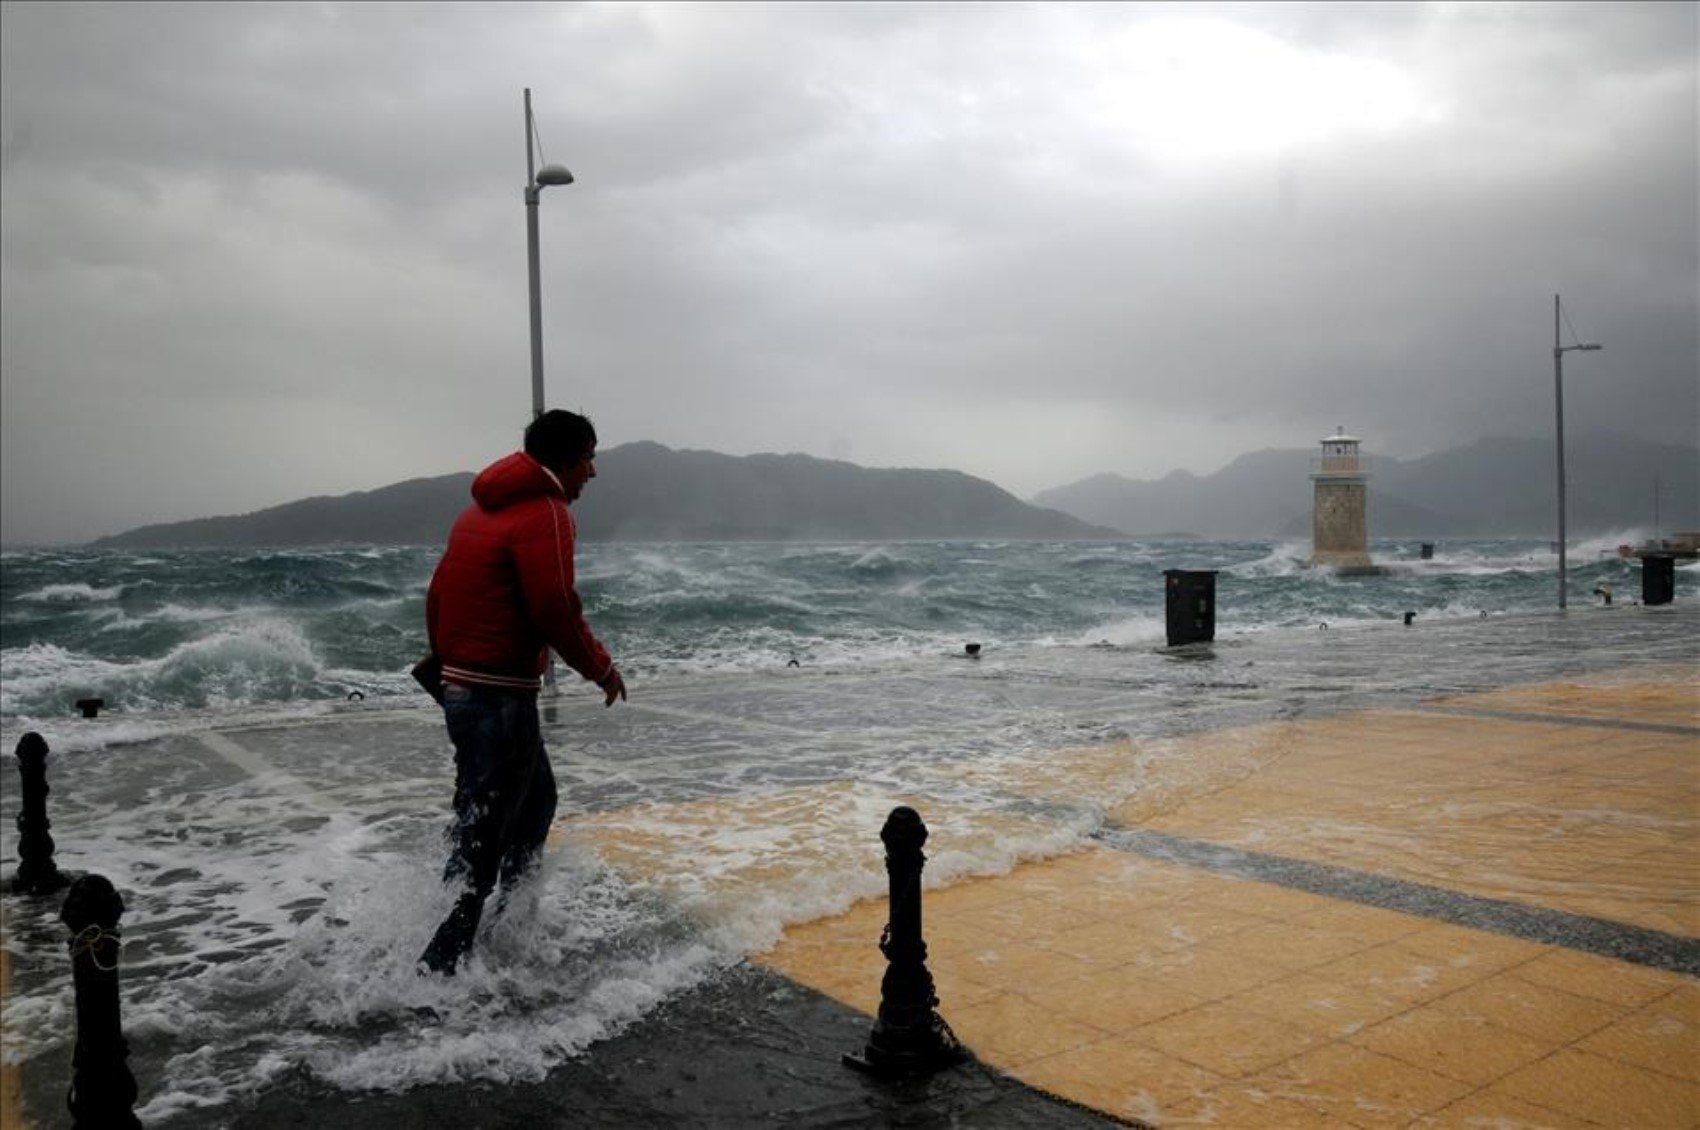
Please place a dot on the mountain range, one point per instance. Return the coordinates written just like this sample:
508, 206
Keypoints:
647, 492
1491, 488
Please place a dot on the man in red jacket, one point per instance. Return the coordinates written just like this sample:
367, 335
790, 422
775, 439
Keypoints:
502, 597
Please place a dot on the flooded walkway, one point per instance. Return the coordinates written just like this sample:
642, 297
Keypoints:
1377, 919
1411, 877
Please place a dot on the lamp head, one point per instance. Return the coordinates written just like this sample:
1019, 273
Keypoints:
553, 174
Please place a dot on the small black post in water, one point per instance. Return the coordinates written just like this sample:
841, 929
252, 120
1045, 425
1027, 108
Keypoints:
1409, 616
37, 873
1190, 605
102, 1089
909, 1037
1658, 578
90, 707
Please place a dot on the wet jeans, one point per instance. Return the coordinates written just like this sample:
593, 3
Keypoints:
504, 803
504, 788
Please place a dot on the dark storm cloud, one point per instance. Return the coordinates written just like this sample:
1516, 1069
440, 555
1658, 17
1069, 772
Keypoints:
254, 252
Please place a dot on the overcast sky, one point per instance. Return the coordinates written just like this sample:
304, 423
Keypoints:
256, 252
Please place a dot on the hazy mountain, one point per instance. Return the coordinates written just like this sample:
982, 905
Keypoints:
647, 492
1494, 487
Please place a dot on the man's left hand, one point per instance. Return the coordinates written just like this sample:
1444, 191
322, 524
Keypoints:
613, 687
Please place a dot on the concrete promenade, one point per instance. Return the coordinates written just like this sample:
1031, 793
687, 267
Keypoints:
1432, 877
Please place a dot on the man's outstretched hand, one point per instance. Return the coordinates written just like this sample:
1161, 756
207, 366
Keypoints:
613, 687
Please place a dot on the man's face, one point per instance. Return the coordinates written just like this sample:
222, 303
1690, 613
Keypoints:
575, 475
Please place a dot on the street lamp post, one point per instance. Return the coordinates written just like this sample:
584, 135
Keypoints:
1558, 352
535, 181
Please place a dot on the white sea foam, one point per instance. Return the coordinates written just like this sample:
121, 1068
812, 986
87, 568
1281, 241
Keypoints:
75, 592
1283, 560
879, 561
1129, 631
224, 668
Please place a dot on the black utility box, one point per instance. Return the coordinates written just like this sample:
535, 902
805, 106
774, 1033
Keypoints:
1658, 578
1191, 597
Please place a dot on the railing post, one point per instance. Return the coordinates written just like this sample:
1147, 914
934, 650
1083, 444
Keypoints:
909, 1036
37, 873
102, 1089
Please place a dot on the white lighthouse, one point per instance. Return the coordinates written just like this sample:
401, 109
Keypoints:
1339, 523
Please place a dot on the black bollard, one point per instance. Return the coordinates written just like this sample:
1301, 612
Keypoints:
1409, 616
909, 1036
102, 1089
90, 707
37, 873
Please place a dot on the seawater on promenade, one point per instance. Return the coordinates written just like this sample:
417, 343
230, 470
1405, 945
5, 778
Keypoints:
279, 872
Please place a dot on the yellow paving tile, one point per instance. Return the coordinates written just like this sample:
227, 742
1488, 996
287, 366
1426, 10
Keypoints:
1030, 968
1543, 1014
1462, 1047
1366, 924
1033, 918
1240, 1106
1291, 945
1120, 1000
1474, 949
1320, 1004
1362, 1087
954, 990
1599, 978
1682, 1002
1208, 971
1177, 923
1671, 696
1123, 937
1606, 1091
1124, 1079
1010, 1031
1658, 1041
1491, 1109
1265, 900
1400, 974
973, 896
1226, 1040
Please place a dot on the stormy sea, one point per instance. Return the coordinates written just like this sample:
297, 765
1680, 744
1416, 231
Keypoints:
168, 634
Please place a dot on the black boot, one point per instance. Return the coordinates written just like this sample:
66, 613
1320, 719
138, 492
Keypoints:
454, 937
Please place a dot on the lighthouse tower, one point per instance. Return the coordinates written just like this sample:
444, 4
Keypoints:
1339, 524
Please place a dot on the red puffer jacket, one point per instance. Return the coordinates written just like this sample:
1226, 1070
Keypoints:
503, 593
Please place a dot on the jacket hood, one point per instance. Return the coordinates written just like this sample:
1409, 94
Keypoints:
513, 478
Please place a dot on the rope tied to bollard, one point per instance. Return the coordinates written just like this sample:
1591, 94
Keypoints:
88, 938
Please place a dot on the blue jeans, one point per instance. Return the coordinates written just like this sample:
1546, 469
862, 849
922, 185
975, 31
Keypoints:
504, 788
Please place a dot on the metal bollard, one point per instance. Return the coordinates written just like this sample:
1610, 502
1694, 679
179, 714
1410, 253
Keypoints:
102, 1089
37, 873
909, 1037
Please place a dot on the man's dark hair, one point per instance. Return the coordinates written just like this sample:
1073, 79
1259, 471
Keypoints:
559, 438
